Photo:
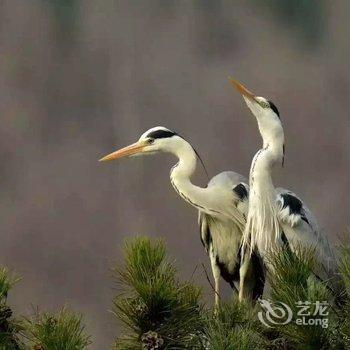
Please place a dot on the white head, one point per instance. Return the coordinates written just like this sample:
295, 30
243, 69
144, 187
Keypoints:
267, 116
157, 139
265, 111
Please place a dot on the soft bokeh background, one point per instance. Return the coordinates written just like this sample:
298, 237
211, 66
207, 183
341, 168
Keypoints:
80, 78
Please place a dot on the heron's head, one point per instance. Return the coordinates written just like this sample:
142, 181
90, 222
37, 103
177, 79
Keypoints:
157, 139
264, 110
266, 114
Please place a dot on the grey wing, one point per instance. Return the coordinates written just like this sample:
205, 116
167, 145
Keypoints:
299, 225
222, 241
237, 185
227, 178
223, 237
292, 211
235, 190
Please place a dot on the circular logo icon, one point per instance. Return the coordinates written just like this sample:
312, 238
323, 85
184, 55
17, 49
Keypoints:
274, 313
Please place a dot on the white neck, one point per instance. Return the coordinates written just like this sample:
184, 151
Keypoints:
181, 174
215, 201
263, 228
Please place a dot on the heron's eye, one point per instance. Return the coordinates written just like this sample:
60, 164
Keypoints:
264, 104
150, 141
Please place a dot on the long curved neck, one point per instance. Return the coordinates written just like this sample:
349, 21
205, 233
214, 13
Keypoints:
180, 177
262, 227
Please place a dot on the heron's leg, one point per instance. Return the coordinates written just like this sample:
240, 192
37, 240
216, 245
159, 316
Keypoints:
244, 273
216, 274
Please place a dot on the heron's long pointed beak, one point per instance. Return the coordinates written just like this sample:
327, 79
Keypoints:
242, 89
123, 152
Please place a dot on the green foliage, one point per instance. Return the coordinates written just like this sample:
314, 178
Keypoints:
293, 282
57, 331
9, 327
46, 331
344, 267
160, 312
157, 310
7, 281
234, 327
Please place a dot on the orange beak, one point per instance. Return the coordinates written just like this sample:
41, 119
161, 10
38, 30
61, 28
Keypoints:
242, 89
124, 152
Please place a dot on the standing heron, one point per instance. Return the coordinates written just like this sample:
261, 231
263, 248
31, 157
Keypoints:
222, 206
278, 216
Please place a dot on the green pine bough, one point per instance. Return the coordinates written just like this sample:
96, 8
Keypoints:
159, 311
62, 330
9, 326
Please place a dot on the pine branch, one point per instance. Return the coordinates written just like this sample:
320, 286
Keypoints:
7, 281
9, 326
157, 310
292, 282
57, 331
160, 312
234, 327
344, 268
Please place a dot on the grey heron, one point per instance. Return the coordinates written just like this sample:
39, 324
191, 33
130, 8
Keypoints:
277, 216
222, 207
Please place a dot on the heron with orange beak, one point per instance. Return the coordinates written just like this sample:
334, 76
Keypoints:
222, 207
277, 217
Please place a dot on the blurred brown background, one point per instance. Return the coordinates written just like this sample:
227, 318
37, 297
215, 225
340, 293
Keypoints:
80, 78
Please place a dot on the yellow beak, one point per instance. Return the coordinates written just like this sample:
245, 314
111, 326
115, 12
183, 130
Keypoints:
242, 89
123, 152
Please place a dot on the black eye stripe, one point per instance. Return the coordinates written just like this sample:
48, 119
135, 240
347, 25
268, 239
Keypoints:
274, 108
161, 134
